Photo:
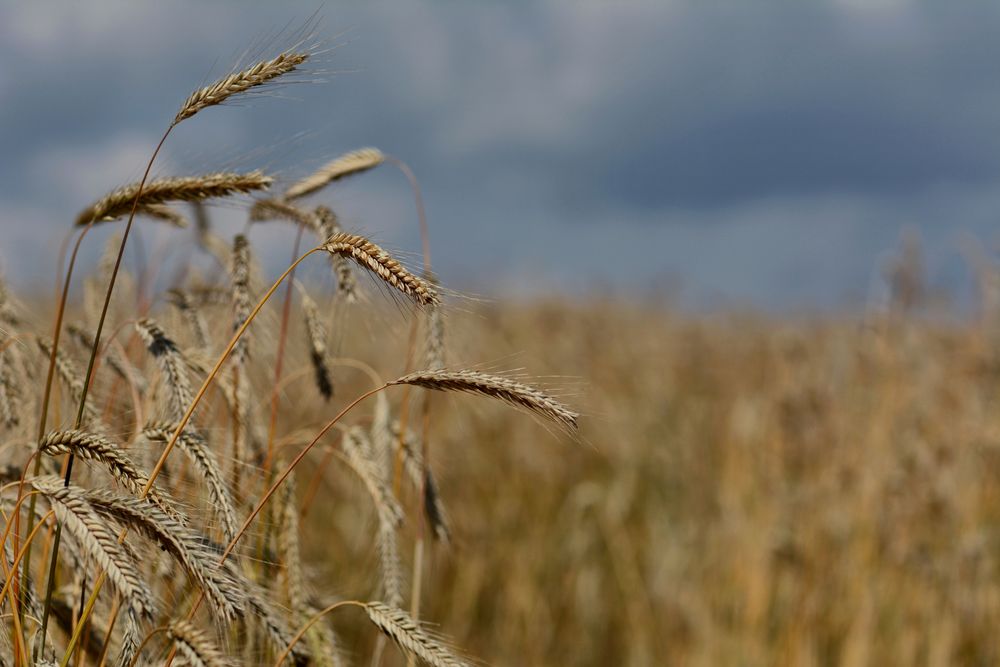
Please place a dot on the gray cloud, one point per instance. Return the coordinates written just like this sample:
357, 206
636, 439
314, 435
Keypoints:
767, 152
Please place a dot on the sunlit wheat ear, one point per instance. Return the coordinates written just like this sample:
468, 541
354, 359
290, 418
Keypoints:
316, 335
495, 386
92, 447
184, 545
171, 363
114, 359
131, 638
240, 82
242, 302
97, 539
401, 629
181, 188
278, 209
382, 264
347, 284
182, 301
420, 475
354, 162
196, 449
389, 513
194, 646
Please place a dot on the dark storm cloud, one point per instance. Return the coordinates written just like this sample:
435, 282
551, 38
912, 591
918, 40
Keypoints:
767, 151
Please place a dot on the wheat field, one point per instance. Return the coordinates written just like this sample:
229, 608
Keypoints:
351, 463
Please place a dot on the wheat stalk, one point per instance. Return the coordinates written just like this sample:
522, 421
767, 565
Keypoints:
119, 202
354, 162
382, 264
495, 386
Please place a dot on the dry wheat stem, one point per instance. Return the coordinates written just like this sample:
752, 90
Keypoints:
178, 188
495, 386
354, 162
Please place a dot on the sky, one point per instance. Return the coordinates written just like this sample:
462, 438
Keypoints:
765, 155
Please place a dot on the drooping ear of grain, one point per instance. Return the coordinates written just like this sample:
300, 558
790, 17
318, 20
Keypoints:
119, 202
495, 386
346, 282
242, 303
240, 82
168, 357
354, 162
195, 646
316, 337
383, 265
279, 209
401, 629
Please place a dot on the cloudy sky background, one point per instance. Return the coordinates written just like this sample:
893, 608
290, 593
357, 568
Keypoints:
765, 154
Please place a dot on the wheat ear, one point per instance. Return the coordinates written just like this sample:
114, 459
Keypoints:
495, 386
171, 363
184, 545
239, 82
95, 537
354, 162
195, 448
347, 284
195, 646
279, 209
382, 264
409, 636
119, 202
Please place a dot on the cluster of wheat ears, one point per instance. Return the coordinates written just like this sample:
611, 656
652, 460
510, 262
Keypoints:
178, 542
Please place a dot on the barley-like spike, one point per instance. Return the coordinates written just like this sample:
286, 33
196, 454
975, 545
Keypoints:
71, 377
183, 302
316, 335
279, 209
195, 646
397, 625
9, 394
420, 474
347, 284
239, 82
93, 447
381, 441
389, 565
354, 162
379, 262
183, 544
116, 361
164, 213
195, 448
131, 638
495, 386
242, 303
355, 446
119, 202
95, 536
171, 362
